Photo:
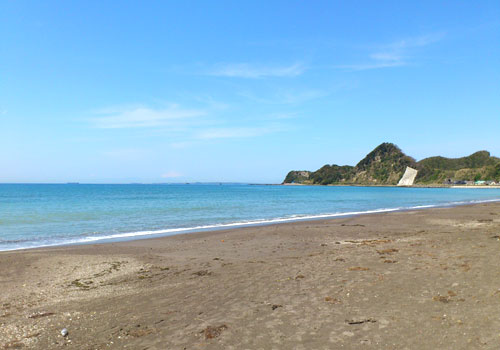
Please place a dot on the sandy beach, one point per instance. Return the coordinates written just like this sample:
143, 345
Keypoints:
426, 279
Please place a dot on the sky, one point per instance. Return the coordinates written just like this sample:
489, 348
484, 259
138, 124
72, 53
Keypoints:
240, 91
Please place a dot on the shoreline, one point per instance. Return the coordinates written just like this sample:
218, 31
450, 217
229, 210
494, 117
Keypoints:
475, 186
425, 278
412, 186
144, 235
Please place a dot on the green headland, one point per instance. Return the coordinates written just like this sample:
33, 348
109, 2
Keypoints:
386, 164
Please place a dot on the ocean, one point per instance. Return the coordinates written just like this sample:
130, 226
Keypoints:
39, 215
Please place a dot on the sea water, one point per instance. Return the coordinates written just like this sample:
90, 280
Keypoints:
36, 215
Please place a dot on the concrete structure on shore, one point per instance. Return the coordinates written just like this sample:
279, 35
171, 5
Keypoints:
408, 177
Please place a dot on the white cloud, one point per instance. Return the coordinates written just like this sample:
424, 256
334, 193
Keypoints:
183, 127
142, 117
395, 54
171, 175
245, 70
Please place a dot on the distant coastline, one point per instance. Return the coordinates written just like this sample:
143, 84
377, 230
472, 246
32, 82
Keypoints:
413, 186
475, 186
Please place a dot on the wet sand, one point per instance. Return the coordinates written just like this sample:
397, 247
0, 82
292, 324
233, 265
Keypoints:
427, 279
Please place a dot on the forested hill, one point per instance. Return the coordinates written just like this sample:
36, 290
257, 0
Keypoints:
386, 164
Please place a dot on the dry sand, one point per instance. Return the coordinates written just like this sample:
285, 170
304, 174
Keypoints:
426, 279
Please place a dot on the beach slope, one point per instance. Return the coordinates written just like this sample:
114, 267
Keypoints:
427, 279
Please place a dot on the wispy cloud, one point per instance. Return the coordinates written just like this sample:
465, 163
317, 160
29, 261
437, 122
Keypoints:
249, 71
395, 54
183, 127
142, 117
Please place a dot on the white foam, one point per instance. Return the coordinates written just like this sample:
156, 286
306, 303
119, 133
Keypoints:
291, 218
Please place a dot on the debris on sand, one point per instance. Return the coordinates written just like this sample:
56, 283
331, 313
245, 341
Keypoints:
358, 268
213, 332
369, 242
86, 285
275, 306
202, 273
441, 299
40, 314
465, 267
361, 321
64, 332
332, 300
387, 251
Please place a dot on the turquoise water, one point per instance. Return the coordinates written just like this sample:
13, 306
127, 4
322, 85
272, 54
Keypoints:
44, 215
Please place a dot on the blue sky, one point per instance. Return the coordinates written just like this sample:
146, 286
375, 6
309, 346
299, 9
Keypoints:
119, 91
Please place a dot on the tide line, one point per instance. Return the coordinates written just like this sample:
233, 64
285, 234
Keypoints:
257, 222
